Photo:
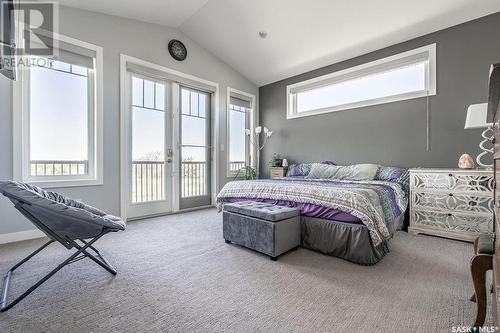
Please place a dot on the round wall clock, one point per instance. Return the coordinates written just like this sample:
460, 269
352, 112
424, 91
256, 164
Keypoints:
177, 50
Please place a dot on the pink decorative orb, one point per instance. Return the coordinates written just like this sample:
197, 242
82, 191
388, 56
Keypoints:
466, 162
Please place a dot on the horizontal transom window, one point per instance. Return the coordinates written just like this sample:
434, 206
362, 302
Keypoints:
403, 76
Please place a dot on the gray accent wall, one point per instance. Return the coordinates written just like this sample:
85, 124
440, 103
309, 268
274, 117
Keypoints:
393, 133
138, 39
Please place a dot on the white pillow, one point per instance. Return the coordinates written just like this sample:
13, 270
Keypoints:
348, 172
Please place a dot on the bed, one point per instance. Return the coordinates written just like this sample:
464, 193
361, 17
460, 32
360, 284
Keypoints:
353, 220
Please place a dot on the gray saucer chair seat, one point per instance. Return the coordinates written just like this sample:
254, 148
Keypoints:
71, 223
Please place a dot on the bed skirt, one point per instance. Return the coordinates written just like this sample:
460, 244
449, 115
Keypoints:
348, 241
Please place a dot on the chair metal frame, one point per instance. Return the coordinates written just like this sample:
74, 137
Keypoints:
80, 254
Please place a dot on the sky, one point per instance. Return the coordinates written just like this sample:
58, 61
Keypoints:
237, 136
395, 82
148, 126
59, 124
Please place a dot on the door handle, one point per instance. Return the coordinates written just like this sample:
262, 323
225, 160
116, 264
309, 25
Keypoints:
169, 160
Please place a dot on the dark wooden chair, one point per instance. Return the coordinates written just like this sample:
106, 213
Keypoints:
481, 263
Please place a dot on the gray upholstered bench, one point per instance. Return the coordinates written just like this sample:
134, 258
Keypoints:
263, 227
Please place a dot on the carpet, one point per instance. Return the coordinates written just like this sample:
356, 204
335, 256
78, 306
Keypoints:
176, 274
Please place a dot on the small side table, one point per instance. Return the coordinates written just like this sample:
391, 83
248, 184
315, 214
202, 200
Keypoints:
277, 172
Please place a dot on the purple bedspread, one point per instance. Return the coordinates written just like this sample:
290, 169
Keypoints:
307, 209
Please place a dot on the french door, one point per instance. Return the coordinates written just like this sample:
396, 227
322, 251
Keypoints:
168, 146
149, 147
195, 148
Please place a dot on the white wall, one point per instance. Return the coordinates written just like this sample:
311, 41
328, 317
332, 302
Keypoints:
117, 35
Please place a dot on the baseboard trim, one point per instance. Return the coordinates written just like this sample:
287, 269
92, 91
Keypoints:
169, 213
20, 236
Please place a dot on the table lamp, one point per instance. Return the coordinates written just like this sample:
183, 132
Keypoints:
476, 118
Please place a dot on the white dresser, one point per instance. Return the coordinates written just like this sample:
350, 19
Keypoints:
451, 203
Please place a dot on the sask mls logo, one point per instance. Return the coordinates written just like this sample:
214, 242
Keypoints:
474, 329
29, 27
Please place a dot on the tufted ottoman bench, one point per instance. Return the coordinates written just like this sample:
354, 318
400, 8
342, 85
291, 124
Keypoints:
263, 227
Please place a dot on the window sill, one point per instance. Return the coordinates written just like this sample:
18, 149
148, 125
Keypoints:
64, 183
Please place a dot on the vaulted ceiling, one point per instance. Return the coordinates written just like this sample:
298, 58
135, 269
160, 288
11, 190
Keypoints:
171, 13
301, 34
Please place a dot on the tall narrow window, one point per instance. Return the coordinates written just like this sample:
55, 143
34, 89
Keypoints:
239, 119
61, 122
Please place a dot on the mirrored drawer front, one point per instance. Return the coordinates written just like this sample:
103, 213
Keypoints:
467, 203
455, 222
479, 183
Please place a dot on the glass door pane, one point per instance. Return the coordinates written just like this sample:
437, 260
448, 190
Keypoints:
148, 141
150, 147
195, 148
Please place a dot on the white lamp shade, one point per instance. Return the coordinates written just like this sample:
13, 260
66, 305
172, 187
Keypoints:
476, 116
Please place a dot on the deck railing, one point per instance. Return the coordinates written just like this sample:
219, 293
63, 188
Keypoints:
148, 177
58, 168
148, 181
193, 179
236, 165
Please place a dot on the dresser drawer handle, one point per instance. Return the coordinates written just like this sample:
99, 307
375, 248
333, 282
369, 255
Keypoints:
450, 214
450, 174
451, 194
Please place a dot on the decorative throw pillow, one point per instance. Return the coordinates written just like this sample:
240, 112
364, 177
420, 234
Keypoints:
301, 169
349, 172
394, 174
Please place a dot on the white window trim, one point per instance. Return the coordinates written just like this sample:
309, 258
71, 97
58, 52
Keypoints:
21, 128
253, 124
426, 54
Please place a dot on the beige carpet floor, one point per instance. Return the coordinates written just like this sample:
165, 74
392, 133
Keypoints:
176, 274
